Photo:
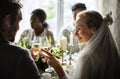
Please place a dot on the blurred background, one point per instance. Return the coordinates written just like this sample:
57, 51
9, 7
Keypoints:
59, 13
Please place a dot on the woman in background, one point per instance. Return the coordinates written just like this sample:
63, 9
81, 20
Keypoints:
39, 28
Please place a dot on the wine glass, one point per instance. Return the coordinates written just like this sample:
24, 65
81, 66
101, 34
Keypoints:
45, 44
36, 47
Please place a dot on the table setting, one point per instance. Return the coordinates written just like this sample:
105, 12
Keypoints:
60, 51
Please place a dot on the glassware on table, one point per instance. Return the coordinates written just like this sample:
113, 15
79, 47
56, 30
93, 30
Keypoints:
45, 44
36, 47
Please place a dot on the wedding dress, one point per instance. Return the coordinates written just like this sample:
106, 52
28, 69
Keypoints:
99, 59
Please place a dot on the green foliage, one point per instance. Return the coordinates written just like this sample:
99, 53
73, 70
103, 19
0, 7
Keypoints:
56, 51
24, 42
50, 10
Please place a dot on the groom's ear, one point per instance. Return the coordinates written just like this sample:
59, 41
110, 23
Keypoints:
8, 21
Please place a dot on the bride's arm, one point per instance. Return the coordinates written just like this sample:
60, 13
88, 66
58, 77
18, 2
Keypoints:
60, 71
54, 62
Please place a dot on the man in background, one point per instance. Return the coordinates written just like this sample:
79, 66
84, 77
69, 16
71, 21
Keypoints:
66, 30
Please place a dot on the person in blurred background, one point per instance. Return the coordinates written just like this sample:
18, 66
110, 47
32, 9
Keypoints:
39, 28
66, 30
99, 59
16, 62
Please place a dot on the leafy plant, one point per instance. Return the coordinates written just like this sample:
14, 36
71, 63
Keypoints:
56, 51
24, 42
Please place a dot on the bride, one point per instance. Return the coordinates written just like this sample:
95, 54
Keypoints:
99, 59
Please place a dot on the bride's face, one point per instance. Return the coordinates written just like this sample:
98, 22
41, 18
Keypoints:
83, 32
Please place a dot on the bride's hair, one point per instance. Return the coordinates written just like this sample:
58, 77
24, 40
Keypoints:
94, 19
108, 18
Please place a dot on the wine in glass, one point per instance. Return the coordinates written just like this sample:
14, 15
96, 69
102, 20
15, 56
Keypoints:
45, 44
36, 47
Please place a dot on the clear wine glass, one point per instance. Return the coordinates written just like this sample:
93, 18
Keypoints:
36, 47
45, 44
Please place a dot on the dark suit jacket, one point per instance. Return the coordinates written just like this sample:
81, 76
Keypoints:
16, 62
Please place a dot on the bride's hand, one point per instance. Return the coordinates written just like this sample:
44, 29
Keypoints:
53, 62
